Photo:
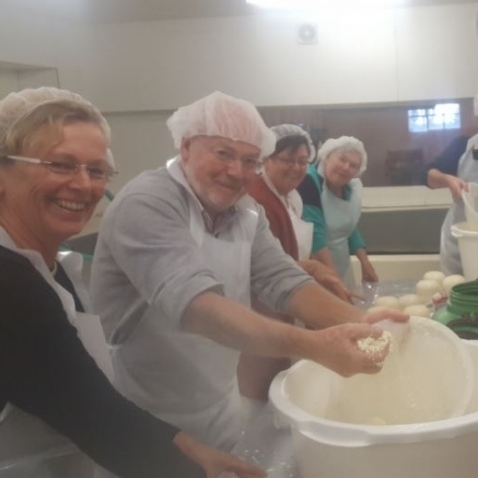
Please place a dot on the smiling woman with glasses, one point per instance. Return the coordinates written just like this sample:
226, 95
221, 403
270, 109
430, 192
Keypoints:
275, 189
54, 360
101, 172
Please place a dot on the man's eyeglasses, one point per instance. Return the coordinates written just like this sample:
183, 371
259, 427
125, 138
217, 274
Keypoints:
98, 172
289, 162
228, 158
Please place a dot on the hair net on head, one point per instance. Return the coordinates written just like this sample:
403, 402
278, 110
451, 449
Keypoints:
221, 115
284, 130
18, 105
344, 143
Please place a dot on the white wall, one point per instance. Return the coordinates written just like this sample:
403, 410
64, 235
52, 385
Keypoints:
29, 38
138, 72
8, 82
437, 52
139, 141
416, 53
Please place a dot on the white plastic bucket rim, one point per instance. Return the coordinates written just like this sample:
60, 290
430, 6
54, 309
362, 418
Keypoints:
350, 435
462, 229
470, 202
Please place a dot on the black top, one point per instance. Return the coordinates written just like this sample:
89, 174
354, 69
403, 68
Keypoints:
447, 161
46, 371
62, 278
309, 192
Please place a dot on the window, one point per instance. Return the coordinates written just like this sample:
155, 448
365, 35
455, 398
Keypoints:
442, 116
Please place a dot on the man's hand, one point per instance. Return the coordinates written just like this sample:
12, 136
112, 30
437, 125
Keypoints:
437, 179
214, 462
395, 315
456, 186
336, 348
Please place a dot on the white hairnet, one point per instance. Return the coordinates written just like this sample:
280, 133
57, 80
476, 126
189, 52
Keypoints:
344, 143
475, 105
222, 115
284, 130
18, 105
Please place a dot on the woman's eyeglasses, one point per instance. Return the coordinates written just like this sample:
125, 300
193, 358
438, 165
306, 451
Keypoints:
289, 162
98, 172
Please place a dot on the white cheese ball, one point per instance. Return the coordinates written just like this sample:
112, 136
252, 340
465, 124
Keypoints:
408, 300
427, 288
451, 281
417, 310
434, 275
387, 301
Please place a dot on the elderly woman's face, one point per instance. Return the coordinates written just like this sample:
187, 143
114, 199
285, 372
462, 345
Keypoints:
341, 167
287, 169
45, 207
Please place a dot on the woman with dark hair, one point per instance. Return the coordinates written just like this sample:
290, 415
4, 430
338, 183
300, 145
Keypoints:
275, 190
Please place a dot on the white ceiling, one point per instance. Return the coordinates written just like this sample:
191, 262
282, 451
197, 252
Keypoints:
114, 11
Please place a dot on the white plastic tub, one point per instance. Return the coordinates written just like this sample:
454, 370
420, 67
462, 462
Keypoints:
468, 246
327, 449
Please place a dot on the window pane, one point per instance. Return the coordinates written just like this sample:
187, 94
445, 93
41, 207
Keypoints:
447, 108
417, 124
436, 122
441, 116
452, 121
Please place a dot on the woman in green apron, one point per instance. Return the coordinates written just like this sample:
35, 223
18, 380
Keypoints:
332, 197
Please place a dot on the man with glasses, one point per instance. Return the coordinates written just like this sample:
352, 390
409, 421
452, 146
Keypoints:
179, 252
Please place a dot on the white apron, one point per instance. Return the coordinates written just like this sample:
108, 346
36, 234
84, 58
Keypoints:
303, 230
182, 378
341, 218
23, 434
449, 252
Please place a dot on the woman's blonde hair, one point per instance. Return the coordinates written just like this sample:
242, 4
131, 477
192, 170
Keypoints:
34, 118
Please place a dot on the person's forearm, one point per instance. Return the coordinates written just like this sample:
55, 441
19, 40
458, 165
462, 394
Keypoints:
317, 307
323, 255
436, 179
312, 266
233, 325
361, 254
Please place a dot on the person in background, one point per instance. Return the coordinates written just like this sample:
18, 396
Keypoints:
454, 168
179, 251
275, 190
54, 361
332, 197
